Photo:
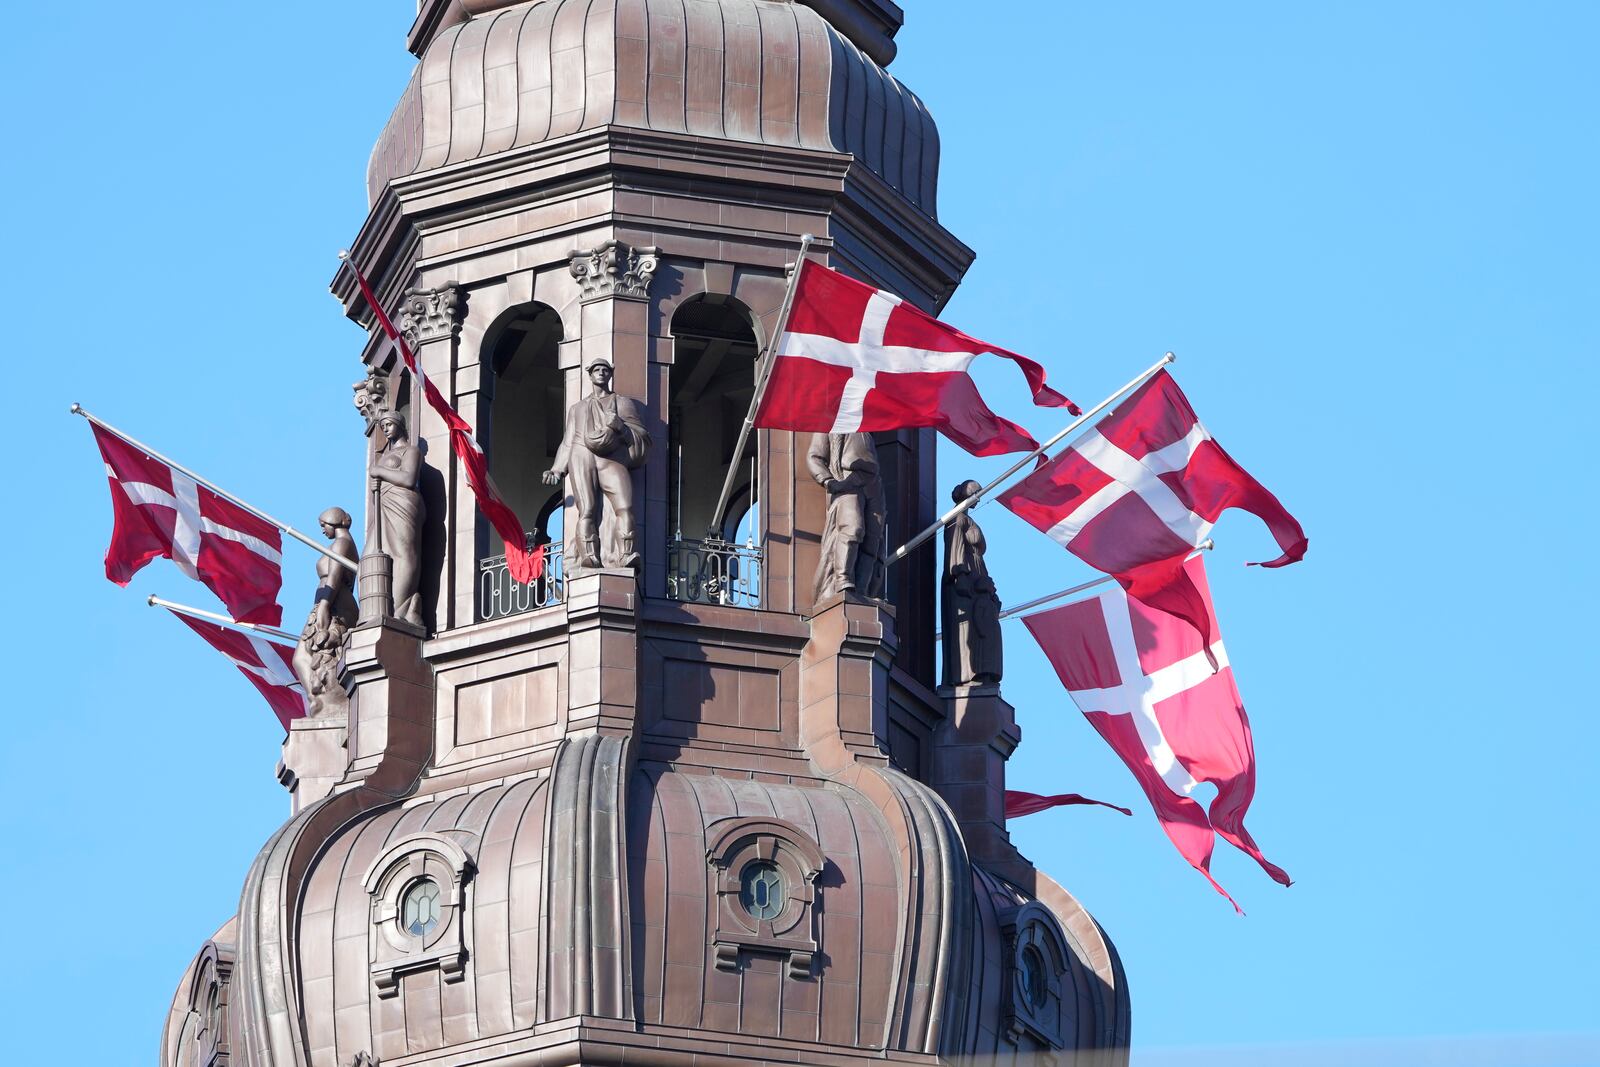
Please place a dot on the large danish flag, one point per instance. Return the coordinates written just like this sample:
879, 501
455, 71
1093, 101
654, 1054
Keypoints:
1143, 679
161, 511
1140, 491
854, 358
268, 665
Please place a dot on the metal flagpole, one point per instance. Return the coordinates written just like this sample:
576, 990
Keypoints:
765, 375
948, 517
77, 409
184, 609
1025, 610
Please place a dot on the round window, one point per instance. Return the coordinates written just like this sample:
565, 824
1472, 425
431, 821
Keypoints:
419, 910
1035, 986
761, 889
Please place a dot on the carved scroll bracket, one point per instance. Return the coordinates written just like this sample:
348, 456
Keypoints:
431, 314
614, 269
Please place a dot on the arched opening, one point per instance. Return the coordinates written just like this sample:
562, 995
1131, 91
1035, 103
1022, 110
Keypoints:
709, 392
521, 366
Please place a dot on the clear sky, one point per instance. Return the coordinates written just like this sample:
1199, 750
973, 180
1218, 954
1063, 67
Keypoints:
1368, 230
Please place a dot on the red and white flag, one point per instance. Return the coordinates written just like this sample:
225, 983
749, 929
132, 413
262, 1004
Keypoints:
524, 564
1019, 803
1141, 490
268, 665
854, 358
1142, 678
161, 511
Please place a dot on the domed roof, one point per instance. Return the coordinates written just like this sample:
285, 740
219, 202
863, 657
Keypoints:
750, 71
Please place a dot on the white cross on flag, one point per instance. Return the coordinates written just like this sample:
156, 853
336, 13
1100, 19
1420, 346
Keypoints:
159, 511
268, 665
854, 358
1140, 491
1142, 678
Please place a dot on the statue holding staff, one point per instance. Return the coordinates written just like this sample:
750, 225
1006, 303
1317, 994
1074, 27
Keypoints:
395, 527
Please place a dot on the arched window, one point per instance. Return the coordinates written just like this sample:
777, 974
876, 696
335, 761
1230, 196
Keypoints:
709, 391
521, 366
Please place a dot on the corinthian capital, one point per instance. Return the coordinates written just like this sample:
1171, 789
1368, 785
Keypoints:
614, 269
430, 314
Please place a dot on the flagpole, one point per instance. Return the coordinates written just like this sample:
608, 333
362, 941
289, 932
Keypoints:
1026, 609
765, 375
950, 516
78, 409
184, 609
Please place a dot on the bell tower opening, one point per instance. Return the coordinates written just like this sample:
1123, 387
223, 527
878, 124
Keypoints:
709, 392
521, 362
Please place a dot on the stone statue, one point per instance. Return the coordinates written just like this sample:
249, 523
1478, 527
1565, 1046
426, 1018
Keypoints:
333, 612
603, 442
395, 528
970, 608
846, 465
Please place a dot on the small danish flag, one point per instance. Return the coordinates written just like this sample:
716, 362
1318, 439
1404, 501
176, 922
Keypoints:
161, 511
854, 358
268, 664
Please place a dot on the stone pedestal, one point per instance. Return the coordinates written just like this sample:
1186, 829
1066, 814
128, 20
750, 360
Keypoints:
969, 765
844, 681
602, 652
391, 719
315, 758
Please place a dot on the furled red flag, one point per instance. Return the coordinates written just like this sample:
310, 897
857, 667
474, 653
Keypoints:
524, 564
1141, 677
161, 511
268, 665
854, 358
1137, 493
1019, 803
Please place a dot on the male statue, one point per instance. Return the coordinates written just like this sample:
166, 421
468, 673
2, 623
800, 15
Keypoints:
846, 465
333, 612
970, 607
603, 441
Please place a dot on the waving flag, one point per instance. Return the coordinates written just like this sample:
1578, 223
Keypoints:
1137, 493
161, 511
854, 358
268, 665
1019, 803
1142, 679
524, 564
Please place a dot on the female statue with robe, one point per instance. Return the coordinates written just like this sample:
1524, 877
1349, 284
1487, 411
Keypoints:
396, 524
970, 606
333, 613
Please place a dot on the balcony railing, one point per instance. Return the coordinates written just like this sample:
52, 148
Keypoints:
714, 572
500, 595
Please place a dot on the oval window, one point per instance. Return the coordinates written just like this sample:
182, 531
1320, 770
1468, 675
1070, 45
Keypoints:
761, 889
419, 911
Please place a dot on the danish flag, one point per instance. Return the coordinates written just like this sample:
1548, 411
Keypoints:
524, 564
1019, 803
268, 665
1140, 491
854, 358
161, 511
1142, 678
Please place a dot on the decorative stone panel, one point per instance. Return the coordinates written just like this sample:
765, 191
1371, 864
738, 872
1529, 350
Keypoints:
1034, 996
763, 879
414, 928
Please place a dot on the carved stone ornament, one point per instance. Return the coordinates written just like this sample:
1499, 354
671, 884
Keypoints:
372, 396
763, 876
614, 269
430, 314
421, 910
363, 1059
1036, 996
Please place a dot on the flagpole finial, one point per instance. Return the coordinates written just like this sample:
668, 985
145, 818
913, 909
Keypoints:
807, 238
344, 253
76, 409
1170, 357
150, 601
1207, 544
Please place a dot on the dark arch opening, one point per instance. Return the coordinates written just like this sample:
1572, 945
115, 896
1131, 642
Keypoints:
526, 411
709, 392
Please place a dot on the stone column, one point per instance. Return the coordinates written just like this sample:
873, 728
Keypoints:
844, 683
970, 751
430, 320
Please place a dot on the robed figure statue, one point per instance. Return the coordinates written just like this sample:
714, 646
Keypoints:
846, 465
395, 528
333, 612
970, 608
603, 442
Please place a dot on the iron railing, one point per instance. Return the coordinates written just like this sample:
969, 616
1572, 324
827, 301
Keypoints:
714, 571
500, 595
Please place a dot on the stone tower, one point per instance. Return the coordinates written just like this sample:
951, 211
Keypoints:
675, 814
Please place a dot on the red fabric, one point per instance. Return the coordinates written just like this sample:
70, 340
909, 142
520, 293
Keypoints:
268, 664
1177, 481
1140, 677
524, 564
857, 358
1019, 803
159, 511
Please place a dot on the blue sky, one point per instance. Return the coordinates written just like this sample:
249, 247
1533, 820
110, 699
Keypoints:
1368, 230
